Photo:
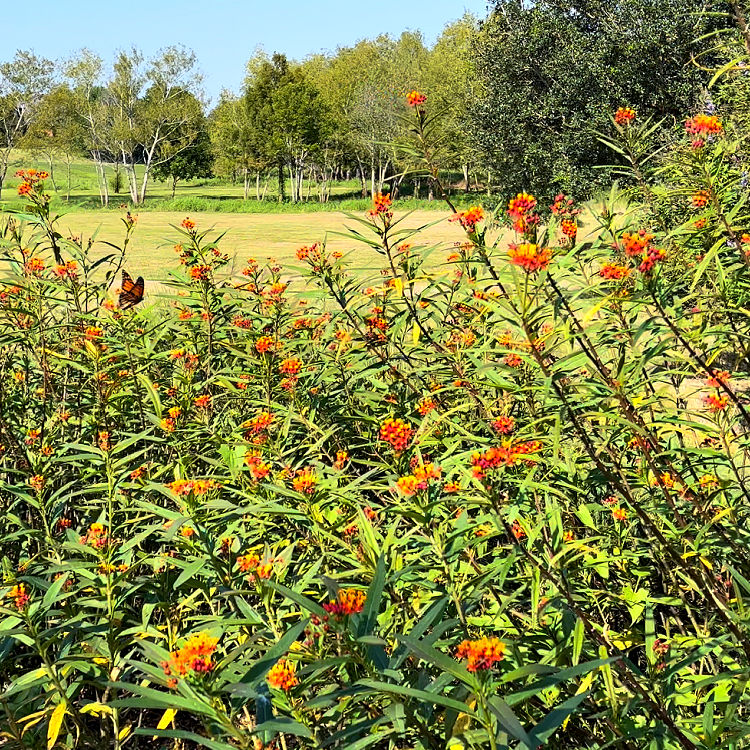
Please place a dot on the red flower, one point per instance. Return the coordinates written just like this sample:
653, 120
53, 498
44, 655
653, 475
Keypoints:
625, 115
481, 654
396, 433
415, 99
529, 256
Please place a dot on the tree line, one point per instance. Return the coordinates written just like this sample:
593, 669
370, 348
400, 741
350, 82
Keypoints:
521, 95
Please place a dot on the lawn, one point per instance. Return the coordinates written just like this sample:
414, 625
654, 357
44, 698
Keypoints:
260, 236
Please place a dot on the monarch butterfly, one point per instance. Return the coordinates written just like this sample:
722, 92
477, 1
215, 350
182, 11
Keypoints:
132, 291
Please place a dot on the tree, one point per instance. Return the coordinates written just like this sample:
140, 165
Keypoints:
24, 81
153, 111
58, 130
84, 73
551, 73
187, 163
451, 85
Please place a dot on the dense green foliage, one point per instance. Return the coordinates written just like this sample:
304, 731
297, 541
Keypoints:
500, 503
552, 71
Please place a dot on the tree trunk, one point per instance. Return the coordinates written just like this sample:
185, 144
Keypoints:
174, 186
51, 171
67, 197
246, 184
465, 168
265, 186
257, 186
372, 174
282, 189
417, 188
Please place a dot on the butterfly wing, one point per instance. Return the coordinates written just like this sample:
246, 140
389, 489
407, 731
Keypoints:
131, 292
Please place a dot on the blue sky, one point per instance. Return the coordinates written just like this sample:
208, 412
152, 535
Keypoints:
223, 33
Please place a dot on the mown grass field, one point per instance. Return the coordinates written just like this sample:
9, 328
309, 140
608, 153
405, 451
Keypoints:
261, 236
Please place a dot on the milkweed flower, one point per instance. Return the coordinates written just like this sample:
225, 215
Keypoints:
613, 271
504, 425
716, 403
469, 218
569, 228
291, 366
703, 125
348, 602
415, 99
200, 273
619, 514
203, 401
700, 199
97, 536
381, 205
265, 344
188, 223
305, 480
193, 659
281, 676
635, 243
719, 378
19, 595
481, 654
529, 256
509, 453
341, 458
396, 433
625, 115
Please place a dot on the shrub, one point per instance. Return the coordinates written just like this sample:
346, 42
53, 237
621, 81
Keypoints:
499, 502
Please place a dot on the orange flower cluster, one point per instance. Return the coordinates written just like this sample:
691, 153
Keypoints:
97, 536
203, 401
521, 212
348, 602
650, 258
252, 563
506, 454
281, 676
19, 595
104, 441
184, 487
200, 272
415, 99
265, 344
291, 366
569, 228
619, 514
715, 402
396, 433
305, 480
426, 405
68, 270
256, 429
469, 218
31, 179
341, 458
703, 125
529, 256
258, 468
419, 480
504, 425
700, 199
193, 659
188, 223
481, 654
37, 482
613, 272
381, 205
719, 378
625, 115
635, 244
34, 266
